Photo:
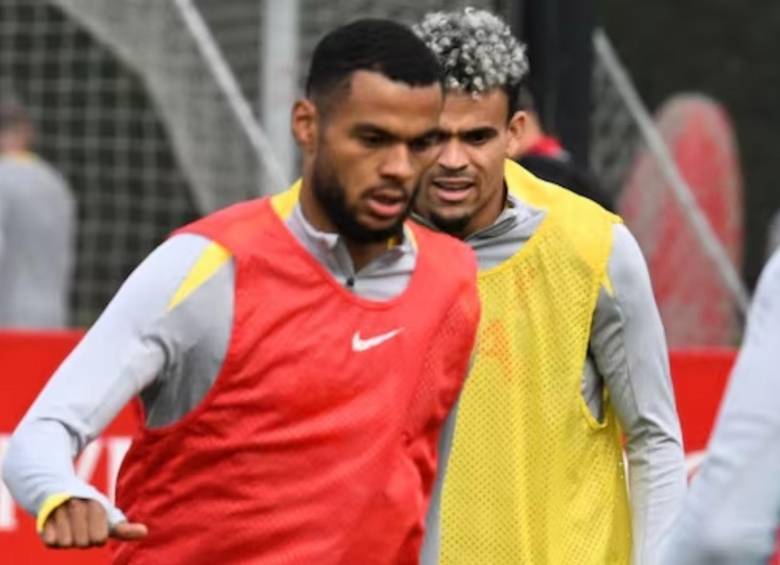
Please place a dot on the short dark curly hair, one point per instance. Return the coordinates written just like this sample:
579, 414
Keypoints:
370, 44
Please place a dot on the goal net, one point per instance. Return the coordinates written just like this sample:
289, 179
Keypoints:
150, 109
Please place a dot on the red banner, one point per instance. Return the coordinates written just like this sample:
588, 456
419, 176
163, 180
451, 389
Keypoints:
699, 377
696, 307
28, 359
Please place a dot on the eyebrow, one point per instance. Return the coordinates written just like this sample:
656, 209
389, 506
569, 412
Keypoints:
433, 132
364, 128
372, 129
483, 130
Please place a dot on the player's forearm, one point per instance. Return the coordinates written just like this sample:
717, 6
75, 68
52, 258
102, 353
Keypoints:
656, 476
656, 489
118, 358
429, 554
730, 514
656, 463
80, 400
38, 466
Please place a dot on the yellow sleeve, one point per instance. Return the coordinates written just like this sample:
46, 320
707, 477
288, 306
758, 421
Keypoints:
49, 505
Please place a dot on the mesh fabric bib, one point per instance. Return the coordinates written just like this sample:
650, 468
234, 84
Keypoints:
533, 477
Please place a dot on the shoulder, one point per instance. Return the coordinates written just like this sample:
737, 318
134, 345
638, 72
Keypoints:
583, 226
626, 253
449, 256
579, 228
766, 300
425, 237
627, 277
770, 276
538, 192
152, 288
175, 258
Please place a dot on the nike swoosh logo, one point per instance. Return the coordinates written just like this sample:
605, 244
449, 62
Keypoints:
360, 344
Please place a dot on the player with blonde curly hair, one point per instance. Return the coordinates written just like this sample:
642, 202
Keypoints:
571, 348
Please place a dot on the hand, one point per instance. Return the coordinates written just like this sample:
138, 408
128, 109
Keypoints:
83, 523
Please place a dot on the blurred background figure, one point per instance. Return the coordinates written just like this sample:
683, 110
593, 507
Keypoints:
544, 155
731, 513
37, 223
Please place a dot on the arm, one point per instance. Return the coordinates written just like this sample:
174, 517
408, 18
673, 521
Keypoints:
431, 548
119, 357
429, 555
629, 350
732, 512
2, 220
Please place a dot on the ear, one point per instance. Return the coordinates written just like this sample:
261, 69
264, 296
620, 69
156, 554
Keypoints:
517, 130
305, 123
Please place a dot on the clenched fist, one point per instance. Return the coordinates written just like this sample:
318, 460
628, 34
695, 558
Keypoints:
83, 523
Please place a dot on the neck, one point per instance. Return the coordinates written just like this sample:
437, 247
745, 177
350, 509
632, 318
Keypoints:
488, 215
312, 210
12, 148
363, 253
13, 142
360, 253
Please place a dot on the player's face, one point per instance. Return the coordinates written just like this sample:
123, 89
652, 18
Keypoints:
373, 147
464, 191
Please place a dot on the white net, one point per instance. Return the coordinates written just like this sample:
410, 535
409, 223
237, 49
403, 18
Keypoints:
149, 108
679, 185
237, 26
209, 138
98, 126
614, 135
317, 18
133, 107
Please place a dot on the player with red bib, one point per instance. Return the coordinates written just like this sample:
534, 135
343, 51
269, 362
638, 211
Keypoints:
296, 356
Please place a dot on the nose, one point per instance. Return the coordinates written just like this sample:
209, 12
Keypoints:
397, 164
452, 156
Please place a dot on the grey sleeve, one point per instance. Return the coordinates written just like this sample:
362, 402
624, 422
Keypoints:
431, 549
429, 554
732, 512
121, 355
628, 347
2, 231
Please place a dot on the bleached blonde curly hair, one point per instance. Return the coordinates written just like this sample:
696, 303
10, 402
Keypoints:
476, 50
